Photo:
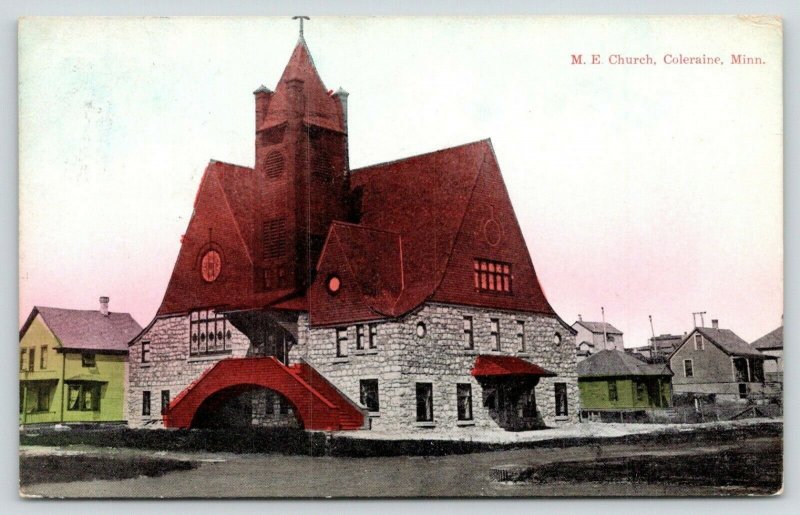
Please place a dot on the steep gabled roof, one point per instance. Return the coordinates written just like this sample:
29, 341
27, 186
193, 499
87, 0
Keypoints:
614, 363
725, 339
87, 329
597, 327
427, 213
770, 341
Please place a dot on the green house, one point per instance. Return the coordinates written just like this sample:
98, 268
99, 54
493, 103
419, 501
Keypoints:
613, 382
72, 365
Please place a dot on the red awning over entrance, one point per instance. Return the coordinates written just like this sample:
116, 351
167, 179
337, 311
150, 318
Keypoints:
494, 366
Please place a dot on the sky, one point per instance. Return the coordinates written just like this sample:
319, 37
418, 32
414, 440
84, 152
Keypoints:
644, 189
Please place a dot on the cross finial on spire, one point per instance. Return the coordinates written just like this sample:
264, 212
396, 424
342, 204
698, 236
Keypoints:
301, 18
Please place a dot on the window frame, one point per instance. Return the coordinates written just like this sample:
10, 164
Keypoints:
80, 402
88, 359
164, 397
200, 321
363, 386
146, 403
145, 351
688, 372
613, 391
488, 273
494, 332
560, 391
521, 336
373, 336
43, 357
426, 390
465, 414
23, 354
698, 338
469, 332
360, 336
340, 334
31, 358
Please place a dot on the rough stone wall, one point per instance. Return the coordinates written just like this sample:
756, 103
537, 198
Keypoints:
440, 357
169, 366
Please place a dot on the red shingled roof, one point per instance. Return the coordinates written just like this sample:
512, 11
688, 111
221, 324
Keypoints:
436, 207
490, 365
322, 108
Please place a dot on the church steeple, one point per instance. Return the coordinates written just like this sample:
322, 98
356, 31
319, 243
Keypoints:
300, 172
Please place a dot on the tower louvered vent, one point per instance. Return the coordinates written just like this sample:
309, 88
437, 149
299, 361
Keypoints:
273, 165
274, 235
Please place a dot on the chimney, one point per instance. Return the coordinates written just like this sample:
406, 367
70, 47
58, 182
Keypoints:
263, 96
342, 95
104, 306
580, 318
715, 323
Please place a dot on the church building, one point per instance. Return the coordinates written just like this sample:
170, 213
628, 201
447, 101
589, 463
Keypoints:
396, 297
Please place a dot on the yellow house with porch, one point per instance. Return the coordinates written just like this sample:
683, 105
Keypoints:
72, 365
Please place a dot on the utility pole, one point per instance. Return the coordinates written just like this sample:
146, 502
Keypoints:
653, 332
605, 337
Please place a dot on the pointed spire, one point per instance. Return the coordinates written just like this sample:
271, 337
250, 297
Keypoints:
301, 18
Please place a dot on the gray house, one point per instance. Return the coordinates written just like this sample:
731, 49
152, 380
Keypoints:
716, 365
771, 344
593, 337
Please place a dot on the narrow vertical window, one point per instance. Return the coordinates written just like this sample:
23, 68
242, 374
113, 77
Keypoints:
145, 403
464, 401
22, 355
31, 358
698, 342
341, 342
687, 368
373, 336
369, 394
164, 401
43, 358
521, 335
612, 390
145, 352
561, 399
469, 338
495, 333
424, 402
360, 337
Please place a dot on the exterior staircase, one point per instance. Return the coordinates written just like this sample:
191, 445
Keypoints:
318, 404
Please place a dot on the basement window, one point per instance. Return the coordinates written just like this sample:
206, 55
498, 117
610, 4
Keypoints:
493, 276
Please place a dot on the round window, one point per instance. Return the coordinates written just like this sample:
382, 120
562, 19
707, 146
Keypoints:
420, 330
557, 339
333, 284
210, 266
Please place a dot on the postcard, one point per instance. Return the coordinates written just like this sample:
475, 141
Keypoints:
400, 257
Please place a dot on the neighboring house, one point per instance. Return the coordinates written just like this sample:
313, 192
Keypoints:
72, 365
612, 382
718, 366
771, 344
659, 348
596, 336
400, 296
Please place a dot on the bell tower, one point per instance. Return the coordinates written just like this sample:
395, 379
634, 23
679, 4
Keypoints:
301, 172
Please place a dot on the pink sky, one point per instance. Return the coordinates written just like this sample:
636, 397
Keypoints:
646, 190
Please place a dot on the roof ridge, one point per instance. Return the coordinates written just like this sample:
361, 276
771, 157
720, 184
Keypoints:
218, 162
359, 226
394, 161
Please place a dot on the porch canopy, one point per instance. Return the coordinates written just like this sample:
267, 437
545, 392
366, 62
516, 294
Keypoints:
489, 365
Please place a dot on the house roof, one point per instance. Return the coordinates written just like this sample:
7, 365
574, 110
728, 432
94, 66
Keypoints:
597, 327
614, 363
726, 340
422, 224
771, 340
493, 366
87, 329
